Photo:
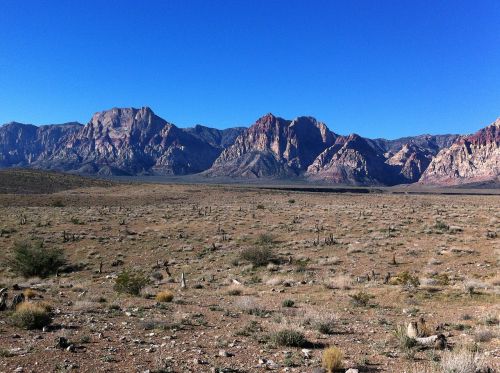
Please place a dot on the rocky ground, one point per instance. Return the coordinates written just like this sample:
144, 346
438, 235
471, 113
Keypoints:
342, 270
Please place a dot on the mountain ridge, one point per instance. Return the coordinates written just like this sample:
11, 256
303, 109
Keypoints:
130, 141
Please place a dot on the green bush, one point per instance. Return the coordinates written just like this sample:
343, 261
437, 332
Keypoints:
288, 303
288, 338
32, 259
131, 282
258, 256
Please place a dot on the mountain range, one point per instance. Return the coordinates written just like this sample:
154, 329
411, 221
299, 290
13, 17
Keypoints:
128, 141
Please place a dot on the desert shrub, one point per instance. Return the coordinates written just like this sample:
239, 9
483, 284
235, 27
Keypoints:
157, 275
462, 360
331, 359
265, 239
131, 282
405, 343
301, 265
442, 279
32, 259
249, 329
325, 326
470, 286
406, 279
31, 316
164, 296
343, 282
360, 298
321, 320
483, 335
291, 200
235, 290
251, 306
57, 203
258, 256
260, 206
288, 303
441, 226
288, 338
491, 320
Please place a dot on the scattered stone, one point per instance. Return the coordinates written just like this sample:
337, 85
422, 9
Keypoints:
318, 370
3, 300
224, 353
62, 342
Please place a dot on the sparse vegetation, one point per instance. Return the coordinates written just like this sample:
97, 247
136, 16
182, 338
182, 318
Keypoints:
278, 314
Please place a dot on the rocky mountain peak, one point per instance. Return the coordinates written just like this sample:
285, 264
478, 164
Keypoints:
473, 158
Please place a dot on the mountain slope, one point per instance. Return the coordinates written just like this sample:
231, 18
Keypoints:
470, 159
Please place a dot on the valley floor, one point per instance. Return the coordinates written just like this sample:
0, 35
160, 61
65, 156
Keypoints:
326, 259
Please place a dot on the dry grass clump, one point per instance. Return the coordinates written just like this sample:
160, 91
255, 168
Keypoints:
463, 360
31, 316
235, 290
343, 282
470, 286
322, 321
164, 296
483, 335
29, 293
251, 306
332, 359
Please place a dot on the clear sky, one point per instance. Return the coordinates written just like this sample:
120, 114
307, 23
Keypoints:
383, 68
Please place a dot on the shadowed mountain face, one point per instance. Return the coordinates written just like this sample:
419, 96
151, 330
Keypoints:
137, 142
429, 143
353, 160
22, 144
215, 137
473, 158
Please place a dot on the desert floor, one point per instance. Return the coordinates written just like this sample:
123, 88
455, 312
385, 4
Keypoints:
325, 276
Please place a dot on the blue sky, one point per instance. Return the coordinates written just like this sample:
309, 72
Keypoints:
378, 68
